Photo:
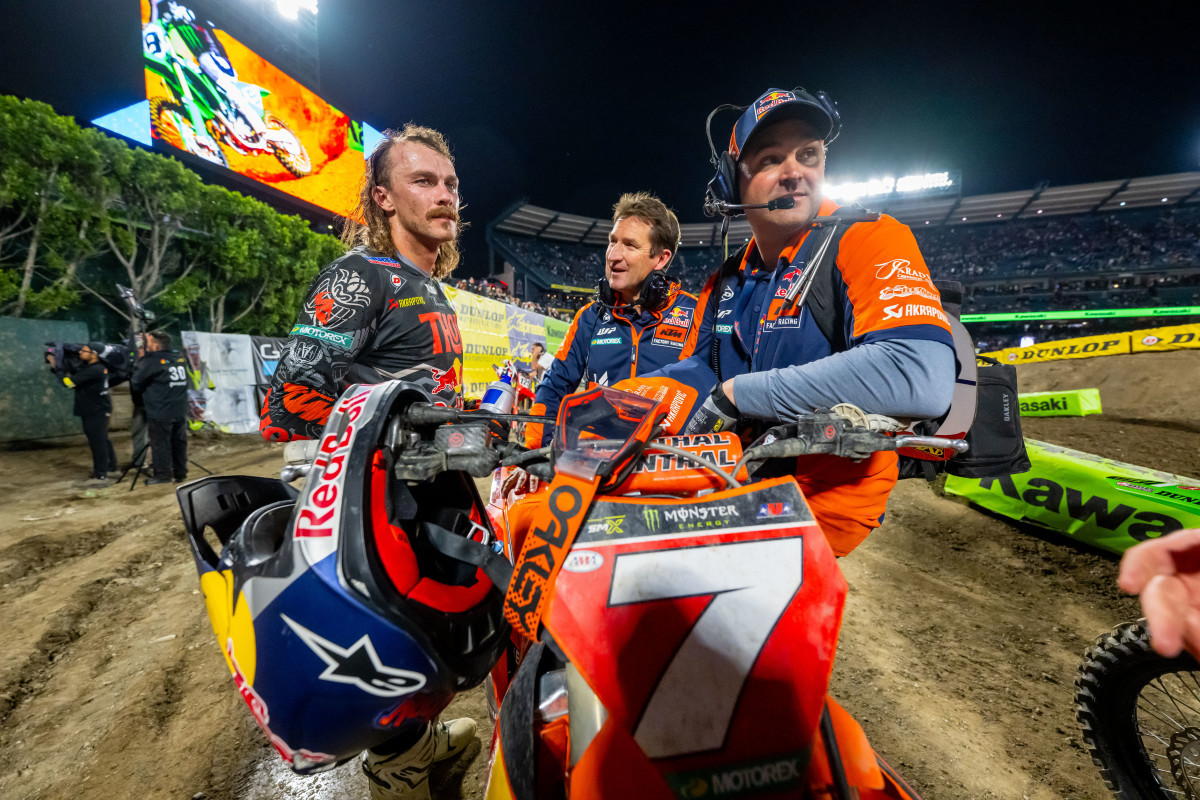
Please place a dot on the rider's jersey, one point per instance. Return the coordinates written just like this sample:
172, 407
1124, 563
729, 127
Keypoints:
604, 346
367, 318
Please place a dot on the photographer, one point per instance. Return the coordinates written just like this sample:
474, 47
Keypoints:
161, 379
92, 404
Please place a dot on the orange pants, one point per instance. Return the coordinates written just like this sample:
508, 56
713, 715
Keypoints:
846, 497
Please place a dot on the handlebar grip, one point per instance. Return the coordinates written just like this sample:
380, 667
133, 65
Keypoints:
425, 414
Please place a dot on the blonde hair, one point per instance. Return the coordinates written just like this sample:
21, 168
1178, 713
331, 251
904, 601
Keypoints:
367, 224
664, 227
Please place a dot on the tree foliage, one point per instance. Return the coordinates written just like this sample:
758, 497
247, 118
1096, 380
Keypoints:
81, 212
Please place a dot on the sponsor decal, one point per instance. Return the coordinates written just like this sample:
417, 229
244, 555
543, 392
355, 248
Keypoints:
609, 340
390, 262
398, 282
320, 513
1150, 340
724, 328
339, 295
610, 525
897, 292
302, 759
342, 340
724, 313
407, 302
1043, 405
607, 330
358, 665
670, 333
777, 775
771, 510
901, 269
765, 104
689, 518
904, 310
607, 317
679, 317
446, 380
653, 518
302, 353
583, 561
727, 294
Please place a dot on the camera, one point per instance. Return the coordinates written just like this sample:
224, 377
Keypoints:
67, 361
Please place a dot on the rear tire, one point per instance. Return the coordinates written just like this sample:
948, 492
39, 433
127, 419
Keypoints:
1140, 715
169, 122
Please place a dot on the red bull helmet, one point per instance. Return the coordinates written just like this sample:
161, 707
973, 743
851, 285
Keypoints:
342, 622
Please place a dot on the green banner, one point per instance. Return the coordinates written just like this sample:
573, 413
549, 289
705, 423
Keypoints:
1069, 491
556, 331
1096, 313
1069, 403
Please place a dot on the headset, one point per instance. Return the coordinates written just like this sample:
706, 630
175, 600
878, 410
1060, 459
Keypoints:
722, 196
655, 294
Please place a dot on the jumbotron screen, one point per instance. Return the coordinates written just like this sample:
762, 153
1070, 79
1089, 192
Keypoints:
213, 97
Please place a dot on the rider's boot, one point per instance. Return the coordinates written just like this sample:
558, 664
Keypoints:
404, 775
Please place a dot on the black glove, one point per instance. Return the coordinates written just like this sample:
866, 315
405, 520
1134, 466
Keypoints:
717, 414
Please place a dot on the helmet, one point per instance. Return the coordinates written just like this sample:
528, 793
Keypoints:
342, 624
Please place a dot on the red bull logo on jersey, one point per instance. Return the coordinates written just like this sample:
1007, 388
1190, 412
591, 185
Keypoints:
769, 101
679, 317
447, 379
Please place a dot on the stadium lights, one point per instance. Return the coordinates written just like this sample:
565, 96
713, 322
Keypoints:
888, 185
291, 8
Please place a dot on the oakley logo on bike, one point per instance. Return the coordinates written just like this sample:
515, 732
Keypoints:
358, 665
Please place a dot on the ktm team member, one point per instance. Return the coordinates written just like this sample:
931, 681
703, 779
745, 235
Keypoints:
772, 363
375, 314
641, 322
379, 313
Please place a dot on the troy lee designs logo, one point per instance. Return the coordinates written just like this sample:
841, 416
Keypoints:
902, 270
894, 292
322, 507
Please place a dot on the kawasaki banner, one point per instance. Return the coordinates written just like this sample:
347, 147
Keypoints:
1100, 502
1068, 403
556, 331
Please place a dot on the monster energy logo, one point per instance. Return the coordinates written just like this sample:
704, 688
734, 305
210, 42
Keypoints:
653, 518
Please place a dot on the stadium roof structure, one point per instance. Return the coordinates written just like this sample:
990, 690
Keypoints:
525, 219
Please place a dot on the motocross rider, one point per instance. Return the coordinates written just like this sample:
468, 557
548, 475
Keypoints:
640, 322
770, 361
379, 313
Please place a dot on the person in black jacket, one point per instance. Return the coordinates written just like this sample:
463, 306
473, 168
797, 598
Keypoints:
93, 407
161, 378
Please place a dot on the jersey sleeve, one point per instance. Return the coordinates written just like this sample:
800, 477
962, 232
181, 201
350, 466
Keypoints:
889, 292
336, 324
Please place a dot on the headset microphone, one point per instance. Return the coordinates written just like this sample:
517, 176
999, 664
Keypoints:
713, 207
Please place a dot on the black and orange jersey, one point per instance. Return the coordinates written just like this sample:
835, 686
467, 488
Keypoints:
606, 345
367, 318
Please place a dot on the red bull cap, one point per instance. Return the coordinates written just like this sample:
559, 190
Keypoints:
818, 110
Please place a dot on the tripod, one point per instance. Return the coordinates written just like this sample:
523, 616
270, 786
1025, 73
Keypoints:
138, 465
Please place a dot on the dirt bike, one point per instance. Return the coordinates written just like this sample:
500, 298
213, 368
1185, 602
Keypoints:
1139, 711
678, 627
208, 106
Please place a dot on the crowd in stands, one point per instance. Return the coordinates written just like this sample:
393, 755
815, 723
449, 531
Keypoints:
550, 305
1124, 259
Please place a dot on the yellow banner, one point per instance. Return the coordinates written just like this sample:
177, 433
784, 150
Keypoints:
1177, 337
484, 327
1083, 347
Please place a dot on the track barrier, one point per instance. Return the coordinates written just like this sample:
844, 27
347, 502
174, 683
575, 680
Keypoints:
1067, 403
1100, 502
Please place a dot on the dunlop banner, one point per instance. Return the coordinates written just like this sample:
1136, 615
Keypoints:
1068, 491
1069, 403
483, 324
1177, 337
1083, 347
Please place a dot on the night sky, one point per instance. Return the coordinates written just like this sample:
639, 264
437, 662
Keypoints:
569, 104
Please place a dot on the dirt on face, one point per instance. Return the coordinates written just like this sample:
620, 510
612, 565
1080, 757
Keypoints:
959, 644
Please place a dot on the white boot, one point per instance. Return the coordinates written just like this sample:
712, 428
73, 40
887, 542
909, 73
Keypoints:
405, 775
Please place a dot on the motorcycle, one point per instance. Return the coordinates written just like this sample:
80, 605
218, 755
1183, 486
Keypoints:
208, 107
1140, 712
678, 625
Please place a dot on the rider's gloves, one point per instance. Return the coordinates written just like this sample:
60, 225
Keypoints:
717, 414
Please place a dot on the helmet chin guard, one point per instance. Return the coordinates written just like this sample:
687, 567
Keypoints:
342, 626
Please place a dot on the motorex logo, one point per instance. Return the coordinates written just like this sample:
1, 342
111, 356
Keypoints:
342, 340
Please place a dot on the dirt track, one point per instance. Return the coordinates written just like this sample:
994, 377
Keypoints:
958, 649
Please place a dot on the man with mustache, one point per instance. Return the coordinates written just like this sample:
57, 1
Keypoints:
375, 314
379, 312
